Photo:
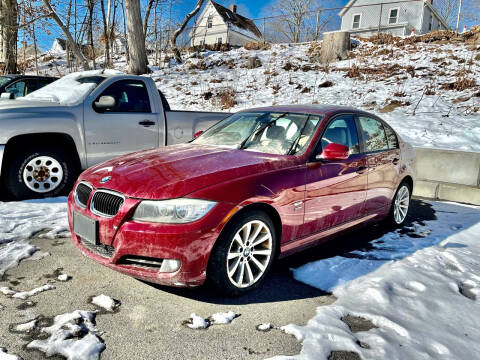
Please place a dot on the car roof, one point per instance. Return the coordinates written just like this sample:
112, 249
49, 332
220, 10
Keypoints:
318, 109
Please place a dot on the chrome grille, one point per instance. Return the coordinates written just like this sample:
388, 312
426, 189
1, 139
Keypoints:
82, 194
106, 203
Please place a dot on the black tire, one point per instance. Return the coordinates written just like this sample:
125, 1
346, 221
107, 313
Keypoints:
217, 269
390, 220
14, 181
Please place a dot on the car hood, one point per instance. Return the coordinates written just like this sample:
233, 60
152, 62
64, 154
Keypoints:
20, 105
178, 170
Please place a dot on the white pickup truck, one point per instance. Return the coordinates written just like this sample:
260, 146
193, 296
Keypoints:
49, 136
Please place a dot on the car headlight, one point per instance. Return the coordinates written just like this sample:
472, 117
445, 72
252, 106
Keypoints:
174, 211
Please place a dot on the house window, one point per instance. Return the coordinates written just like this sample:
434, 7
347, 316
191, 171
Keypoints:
219, 41
430, 23
210, 21
356, 21
393, 16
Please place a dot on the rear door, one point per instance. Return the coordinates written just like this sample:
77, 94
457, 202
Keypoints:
335, 190
383, 157
128, 126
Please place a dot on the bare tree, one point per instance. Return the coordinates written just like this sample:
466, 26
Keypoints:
136, 38
173, 40
448, 9
106, 33
75, 48
9, 33
292, 16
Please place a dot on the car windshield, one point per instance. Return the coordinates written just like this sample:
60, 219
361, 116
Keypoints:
4, 80
281, 133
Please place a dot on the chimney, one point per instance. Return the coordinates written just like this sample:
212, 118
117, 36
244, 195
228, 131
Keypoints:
233, 8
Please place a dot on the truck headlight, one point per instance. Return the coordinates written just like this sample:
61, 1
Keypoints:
174, 211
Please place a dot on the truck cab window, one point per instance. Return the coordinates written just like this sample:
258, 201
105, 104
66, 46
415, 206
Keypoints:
129, 95
18, 89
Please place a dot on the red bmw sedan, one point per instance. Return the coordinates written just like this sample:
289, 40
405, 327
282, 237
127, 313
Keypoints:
261, 184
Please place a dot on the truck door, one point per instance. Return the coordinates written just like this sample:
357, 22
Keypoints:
128, 125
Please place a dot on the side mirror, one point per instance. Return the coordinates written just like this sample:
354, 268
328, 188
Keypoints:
105, 102
334, 151
197, 134
8, 95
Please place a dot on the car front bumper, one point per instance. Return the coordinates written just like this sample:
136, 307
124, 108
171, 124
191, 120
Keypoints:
190, 243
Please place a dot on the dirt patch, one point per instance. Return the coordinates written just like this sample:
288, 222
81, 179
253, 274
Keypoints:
392, 105
344, 355
357, 324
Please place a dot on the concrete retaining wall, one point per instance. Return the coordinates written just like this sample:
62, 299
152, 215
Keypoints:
448, 175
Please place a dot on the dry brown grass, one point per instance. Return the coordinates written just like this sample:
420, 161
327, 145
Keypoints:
227, 98
257, 45
460, 84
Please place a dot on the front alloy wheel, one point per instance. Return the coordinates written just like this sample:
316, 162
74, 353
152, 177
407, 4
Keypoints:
249, 254
42, 174
243, 254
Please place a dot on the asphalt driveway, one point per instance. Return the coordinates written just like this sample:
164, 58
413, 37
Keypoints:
149, 322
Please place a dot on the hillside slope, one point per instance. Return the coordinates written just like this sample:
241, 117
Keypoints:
429, 92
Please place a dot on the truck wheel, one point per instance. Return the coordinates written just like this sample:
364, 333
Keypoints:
39, 173
243, 255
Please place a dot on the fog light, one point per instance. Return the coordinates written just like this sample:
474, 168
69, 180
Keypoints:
169, 265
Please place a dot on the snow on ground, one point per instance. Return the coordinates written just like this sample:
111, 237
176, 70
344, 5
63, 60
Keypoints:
223, 317
198, 322
421, 292
26, 327
105, 302
63, 277
24, 295
393, 83
5, 356
21, 220
72, 335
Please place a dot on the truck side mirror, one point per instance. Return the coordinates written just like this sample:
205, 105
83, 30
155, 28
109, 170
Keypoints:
105, 102
7, 95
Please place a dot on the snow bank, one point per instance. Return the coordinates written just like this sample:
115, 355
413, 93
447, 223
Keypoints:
12, 253
21, 220
72, 335
67, 90
421, 293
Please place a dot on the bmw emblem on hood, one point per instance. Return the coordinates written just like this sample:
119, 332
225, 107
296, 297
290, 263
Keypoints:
105, 179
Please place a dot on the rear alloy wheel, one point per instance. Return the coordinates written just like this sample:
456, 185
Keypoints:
244, 254
400, 205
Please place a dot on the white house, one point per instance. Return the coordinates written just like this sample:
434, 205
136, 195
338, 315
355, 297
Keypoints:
218, 25
367, 17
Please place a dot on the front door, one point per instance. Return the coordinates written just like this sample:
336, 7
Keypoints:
335, 190
126, 127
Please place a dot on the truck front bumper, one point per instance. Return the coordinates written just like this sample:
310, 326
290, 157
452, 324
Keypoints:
2, 150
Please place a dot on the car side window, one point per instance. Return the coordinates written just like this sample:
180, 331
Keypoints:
129, 95
18, 89
374, 134
391, 137
342, 130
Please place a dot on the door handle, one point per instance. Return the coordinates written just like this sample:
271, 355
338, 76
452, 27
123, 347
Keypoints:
395, 161
146, 123
361, 169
